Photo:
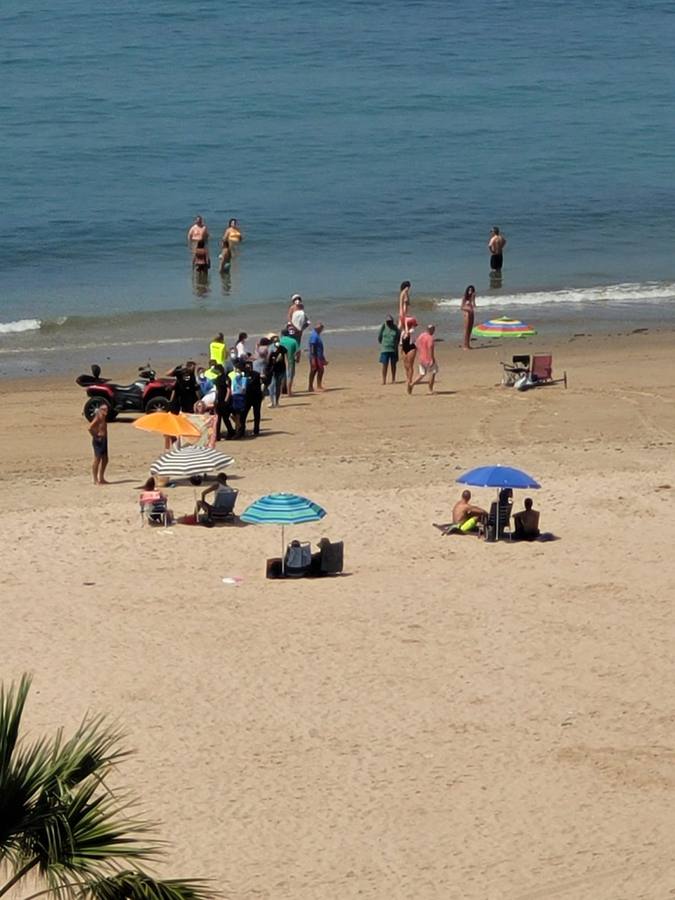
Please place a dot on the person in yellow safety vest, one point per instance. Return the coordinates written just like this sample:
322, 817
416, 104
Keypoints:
218, 349
211, 373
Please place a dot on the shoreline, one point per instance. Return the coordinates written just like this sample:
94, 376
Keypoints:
110, 344
485, 356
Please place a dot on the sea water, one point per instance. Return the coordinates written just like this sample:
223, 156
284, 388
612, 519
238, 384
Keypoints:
358, 143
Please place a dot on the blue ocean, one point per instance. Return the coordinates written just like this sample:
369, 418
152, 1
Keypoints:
358, 143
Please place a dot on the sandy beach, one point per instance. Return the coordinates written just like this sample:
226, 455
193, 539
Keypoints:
450, 718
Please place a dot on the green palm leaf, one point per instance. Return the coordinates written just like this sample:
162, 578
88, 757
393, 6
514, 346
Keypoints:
140, 886
92, 750
58, 818
24, 771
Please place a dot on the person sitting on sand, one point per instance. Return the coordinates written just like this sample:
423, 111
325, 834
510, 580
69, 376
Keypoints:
465, 516
219, 487
153, 503
527, 522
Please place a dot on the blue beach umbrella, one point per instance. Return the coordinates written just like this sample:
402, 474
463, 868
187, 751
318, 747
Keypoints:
499, 477
282, 509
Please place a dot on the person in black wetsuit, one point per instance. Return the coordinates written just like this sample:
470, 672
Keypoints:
276, 369
254, 398
186, 391
223, 403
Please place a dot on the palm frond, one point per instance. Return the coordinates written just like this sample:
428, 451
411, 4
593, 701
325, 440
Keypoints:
86, 835
92, 750
12, 702
59, 819
23, 771
136, 885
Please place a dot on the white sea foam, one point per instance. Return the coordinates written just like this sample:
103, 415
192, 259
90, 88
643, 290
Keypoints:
646, 292
19, 325
149, 342
352, 329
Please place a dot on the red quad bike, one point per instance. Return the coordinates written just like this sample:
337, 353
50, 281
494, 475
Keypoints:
147, 394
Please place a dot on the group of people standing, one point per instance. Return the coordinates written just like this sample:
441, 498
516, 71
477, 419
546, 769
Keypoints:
198, 242
397, 337
236, 380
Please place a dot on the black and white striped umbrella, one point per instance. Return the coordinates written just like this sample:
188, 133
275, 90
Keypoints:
187, 461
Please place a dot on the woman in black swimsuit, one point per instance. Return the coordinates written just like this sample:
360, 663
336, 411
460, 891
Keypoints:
408, 347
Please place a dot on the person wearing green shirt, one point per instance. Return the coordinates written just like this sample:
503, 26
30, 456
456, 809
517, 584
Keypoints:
388, 339
289, 340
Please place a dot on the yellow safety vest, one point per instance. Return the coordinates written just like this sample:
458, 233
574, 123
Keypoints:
217, 351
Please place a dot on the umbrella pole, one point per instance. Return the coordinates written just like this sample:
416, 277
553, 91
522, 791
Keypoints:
497, 517
283, 555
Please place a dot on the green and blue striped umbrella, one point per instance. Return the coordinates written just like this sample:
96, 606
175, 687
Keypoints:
282, 509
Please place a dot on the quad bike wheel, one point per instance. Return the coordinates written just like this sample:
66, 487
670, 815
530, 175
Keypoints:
92, 406
157, 404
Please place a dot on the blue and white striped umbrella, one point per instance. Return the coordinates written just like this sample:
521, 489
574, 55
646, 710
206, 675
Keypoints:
282, 509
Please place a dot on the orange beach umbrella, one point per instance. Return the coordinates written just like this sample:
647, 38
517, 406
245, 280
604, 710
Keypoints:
166, 423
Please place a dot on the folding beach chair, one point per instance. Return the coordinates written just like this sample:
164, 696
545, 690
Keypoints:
519, 366
502, 526
542, 371
523, 374
222, 510
154, 510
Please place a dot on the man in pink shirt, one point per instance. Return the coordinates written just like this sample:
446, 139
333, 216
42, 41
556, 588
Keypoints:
426, 358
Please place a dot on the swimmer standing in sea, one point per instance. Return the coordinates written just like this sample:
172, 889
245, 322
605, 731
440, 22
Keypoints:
197, 232
225, 257
233, 233
496, 246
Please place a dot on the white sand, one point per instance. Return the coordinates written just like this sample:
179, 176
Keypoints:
450, 719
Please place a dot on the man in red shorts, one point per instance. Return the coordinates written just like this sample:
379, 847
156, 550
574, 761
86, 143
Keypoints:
317, 359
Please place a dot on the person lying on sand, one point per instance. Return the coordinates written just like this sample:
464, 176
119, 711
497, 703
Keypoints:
465, 516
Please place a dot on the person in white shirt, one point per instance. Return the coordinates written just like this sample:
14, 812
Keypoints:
297, 317
241, 349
